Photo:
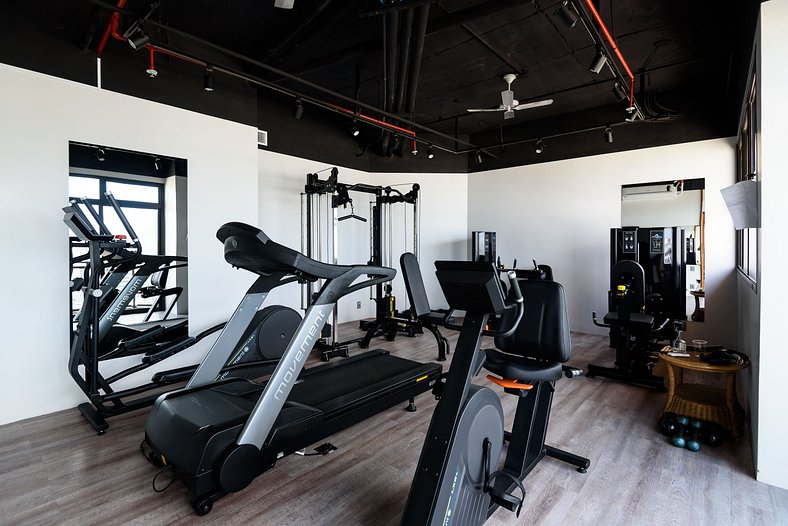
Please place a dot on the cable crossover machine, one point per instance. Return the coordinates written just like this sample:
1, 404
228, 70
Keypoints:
320, 204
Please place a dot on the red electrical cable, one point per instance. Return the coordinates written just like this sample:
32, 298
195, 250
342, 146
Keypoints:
617, 51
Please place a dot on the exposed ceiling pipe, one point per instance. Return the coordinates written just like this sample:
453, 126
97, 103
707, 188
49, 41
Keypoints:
475, 12
404, 57
270, 85
394, 7
390, 42
285, 44
392, 27
113, 21
415, 61
606, 36
455, 19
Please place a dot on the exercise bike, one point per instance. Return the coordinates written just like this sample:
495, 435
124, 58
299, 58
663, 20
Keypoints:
457, 481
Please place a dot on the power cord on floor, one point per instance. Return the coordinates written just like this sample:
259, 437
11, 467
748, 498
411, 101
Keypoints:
171, 469
321, 450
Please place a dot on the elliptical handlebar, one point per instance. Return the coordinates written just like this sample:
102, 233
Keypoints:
124, 220
518, 304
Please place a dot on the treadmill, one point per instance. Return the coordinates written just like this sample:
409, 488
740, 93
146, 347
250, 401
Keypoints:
217, 436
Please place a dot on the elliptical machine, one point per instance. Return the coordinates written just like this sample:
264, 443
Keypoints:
457, 481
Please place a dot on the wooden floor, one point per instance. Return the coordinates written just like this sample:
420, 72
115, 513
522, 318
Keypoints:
55, 470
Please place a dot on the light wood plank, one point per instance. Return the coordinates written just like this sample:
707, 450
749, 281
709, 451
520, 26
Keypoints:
55, 470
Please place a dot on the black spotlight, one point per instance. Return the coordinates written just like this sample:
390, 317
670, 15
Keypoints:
599, 61
567, 14
395, 143
539, 146
207, 79
354, 128
157, 163
430, 153
299, 109
608, 134
138, 40
478, 157
619, 92
100, 154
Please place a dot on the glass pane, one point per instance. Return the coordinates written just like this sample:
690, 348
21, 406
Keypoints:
134, 192
83, 187
145, 223
752, 257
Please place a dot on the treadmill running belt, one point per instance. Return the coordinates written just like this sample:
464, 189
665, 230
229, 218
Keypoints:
326, 389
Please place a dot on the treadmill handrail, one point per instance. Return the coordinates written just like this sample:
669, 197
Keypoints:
277, 389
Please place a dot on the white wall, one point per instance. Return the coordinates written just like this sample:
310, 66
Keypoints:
40, 115
444, 227
281, 183
560, 214
772, 360
443, 223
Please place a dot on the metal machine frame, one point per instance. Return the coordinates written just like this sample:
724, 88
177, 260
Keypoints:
320, 203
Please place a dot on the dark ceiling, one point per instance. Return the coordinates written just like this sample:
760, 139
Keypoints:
688, 60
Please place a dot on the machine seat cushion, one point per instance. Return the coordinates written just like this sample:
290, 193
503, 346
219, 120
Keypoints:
521, 369
636, 320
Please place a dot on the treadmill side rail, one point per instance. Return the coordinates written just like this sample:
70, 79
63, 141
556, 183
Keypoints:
278, 387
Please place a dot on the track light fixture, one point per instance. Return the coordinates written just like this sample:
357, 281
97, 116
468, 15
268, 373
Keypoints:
207, 78
157, 163
100, 154
354, 128
599, 61
299, 109
619, 92
478, 157
608, 134
568, 14
138, 40
395, 142
430, 153
539, 146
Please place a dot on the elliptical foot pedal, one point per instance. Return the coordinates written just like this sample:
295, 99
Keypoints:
506, 500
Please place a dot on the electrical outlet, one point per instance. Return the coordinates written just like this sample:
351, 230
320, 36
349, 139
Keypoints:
358, 304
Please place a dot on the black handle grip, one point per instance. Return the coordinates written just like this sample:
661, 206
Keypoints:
518, 296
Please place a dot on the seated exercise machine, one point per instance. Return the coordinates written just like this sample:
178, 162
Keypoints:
217, 436
457, 481
420, 315
634, 332
116, 271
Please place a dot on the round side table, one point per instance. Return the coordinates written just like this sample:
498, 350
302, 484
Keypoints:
702, 401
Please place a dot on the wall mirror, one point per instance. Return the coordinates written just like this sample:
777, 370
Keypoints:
669, 221
150, 190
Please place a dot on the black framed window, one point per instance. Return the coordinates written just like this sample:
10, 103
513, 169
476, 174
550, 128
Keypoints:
142, 202
748, 168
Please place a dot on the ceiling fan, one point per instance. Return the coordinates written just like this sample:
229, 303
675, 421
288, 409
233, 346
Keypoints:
508, 102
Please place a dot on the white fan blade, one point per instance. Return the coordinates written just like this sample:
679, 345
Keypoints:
536, 104
508, 115
507, 97
477, 110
